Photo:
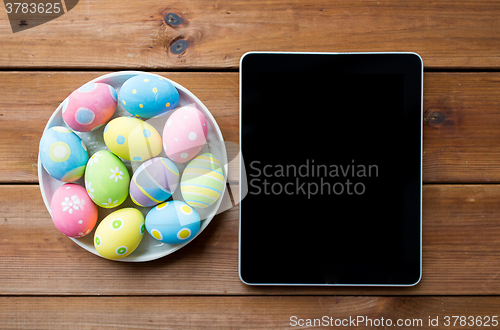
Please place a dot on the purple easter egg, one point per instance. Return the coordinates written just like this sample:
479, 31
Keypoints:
154, 182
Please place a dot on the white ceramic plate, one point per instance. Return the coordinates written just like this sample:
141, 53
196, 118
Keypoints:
149, 248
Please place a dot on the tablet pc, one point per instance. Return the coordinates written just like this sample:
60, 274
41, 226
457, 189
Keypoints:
332, 148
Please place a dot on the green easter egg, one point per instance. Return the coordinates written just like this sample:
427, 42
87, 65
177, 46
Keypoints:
106, 179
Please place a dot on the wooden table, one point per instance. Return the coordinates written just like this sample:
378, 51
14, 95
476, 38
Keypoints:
48, 282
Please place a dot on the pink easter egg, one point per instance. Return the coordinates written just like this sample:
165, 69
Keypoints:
89, 107
73, 212
185, 134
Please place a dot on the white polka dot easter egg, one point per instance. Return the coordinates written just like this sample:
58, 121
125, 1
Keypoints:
185, 134
73, 213
132, 139
154, 182
202, 181
106, 179
119, 234
148, 96
89, 107
63, 154
173, 222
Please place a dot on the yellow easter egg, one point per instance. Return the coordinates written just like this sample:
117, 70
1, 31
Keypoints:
132, 139
202, 181
144, 142
120, 233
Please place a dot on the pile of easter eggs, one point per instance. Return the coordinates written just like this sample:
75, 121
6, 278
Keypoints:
130, 139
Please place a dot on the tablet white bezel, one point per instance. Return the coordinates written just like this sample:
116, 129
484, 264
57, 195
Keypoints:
241, 160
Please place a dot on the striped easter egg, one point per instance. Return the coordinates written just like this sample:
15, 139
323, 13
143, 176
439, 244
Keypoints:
154, 182
202, 181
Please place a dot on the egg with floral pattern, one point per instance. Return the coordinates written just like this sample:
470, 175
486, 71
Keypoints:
63, 154
120, 233
89, 107
106, 179
148, 96
185, 134
173, 222
132, 139
73, 213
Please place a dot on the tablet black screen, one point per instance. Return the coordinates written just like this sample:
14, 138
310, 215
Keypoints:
331, 146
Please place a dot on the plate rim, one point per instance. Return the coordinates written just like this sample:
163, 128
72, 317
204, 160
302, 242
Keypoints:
206, 221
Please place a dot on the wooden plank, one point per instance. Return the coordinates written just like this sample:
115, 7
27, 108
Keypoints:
131, 34
461, 119
29, 98
460, 253
461, 127
245, 312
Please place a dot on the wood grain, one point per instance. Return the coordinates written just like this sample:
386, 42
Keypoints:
117, 34
461, 127
461, 245
198, 286
186, 313
461, 120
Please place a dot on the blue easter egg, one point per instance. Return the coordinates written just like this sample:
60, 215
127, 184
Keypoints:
148, 96
63, 154
173, 222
